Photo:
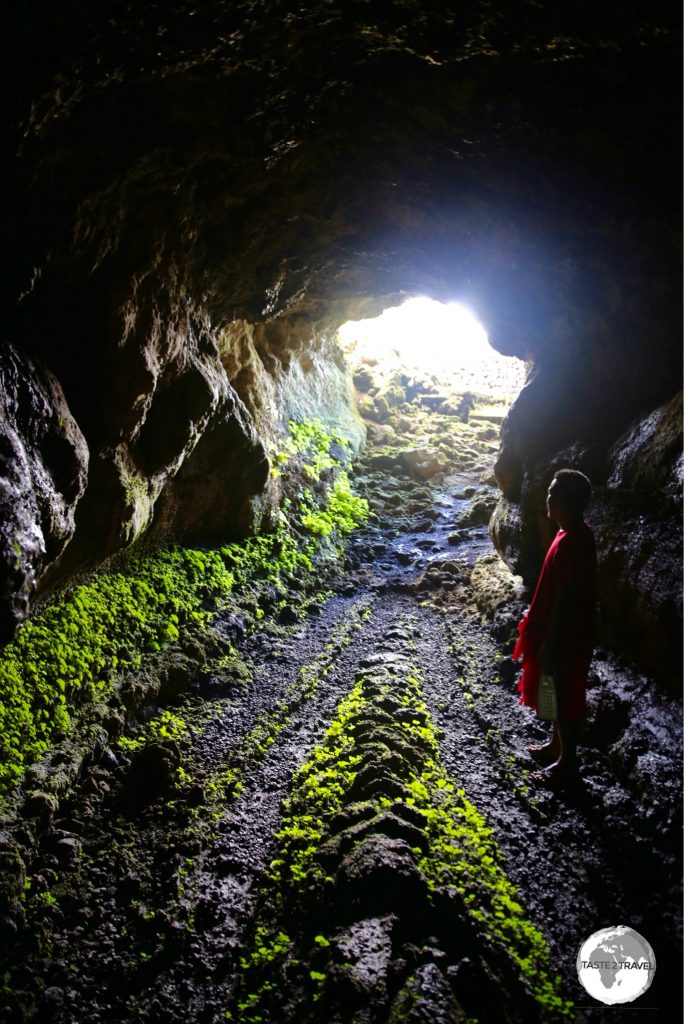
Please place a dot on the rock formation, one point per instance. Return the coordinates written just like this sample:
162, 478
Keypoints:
44, 467
196, 196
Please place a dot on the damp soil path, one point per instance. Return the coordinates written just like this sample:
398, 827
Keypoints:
147, 918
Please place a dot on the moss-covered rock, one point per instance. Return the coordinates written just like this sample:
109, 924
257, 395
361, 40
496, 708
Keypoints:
81, 647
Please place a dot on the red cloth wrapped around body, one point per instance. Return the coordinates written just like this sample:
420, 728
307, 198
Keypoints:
567, 581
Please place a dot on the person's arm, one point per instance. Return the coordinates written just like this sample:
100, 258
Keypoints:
557, 639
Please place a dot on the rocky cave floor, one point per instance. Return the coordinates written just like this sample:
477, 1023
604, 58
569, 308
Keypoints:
146, 891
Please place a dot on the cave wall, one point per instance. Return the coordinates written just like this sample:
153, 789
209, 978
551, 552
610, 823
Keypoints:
635, 512
43, 472
195, 196
285, 371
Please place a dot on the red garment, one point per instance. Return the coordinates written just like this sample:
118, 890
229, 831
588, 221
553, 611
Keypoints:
568, 573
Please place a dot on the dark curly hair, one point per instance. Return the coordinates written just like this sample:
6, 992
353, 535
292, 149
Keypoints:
573, 488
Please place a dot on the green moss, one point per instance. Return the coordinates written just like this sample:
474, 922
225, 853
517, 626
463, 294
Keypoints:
314, 442
461, 854
166, 726
318, 792
48, 898
71, 654
225, 782
343, 512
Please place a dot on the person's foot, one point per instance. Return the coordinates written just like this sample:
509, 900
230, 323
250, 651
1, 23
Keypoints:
560, 773
546, 753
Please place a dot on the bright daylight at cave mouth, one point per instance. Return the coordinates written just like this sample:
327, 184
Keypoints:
428, 338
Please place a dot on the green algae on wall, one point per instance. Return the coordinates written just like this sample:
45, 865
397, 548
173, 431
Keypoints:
71, 654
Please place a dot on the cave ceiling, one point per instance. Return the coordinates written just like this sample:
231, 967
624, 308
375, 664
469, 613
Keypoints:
321, 160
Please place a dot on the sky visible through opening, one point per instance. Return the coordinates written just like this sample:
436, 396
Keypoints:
444, 341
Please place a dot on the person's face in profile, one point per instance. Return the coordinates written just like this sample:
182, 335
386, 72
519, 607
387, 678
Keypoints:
554, 505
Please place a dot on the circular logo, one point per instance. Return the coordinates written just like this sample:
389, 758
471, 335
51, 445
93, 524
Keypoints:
616, 965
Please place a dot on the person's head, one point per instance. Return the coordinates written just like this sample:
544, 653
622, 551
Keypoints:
568, 496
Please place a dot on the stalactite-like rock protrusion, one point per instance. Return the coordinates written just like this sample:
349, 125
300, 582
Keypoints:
43, 466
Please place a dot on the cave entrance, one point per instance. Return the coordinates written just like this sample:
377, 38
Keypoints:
431, 390
432, 394
439, 344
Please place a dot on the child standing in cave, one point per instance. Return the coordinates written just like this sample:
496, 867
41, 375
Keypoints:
557, 633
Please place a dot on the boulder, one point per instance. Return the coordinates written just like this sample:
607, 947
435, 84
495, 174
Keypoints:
366, 948
423, 463
363, 379
426, 998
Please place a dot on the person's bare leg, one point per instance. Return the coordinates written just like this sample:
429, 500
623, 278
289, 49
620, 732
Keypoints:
549, 751
567, 758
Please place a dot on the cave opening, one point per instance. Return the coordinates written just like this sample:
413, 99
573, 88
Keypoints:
433, 394
427, 337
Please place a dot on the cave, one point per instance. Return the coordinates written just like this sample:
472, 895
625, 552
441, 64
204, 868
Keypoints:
243, 574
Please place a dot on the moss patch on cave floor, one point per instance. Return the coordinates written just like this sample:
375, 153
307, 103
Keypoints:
224, 782
73, 652
374, 825
193, 799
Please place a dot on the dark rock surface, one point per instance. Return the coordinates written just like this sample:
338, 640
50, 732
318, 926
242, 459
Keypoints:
43, 467
636, 513
173, 171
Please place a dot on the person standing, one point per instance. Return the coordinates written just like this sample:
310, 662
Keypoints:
557, 633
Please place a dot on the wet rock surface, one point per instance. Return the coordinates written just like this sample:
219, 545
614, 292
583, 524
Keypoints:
197, 195
310, 860
43, 471
636, 512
